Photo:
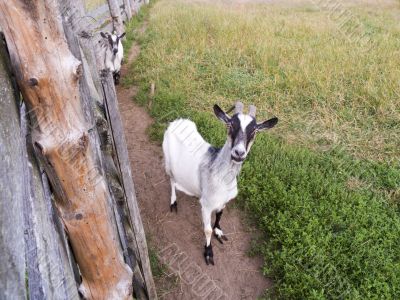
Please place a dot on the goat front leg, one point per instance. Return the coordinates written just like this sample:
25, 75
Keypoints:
217, 229
208, 252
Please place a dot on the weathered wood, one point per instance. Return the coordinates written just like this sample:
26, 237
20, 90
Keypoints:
135, 6
116, 17
70, 268
125, 169
12, 261
99, 18
49, 272
81, 46
128, 9
48, 75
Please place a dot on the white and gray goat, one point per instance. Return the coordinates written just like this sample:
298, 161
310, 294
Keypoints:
198, 169
114, 53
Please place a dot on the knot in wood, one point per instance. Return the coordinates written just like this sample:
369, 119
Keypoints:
83, 140
85, 34
33, 81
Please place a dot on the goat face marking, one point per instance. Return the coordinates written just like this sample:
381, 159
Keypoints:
242, 130
113, 41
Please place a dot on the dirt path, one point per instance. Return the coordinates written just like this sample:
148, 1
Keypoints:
179, 238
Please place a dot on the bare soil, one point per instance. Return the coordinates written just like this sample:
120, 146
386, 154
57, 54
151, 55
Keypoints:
178, 238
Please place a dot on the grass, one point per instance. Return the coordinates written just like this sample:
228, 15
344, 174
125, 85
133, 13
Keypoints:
324, 186
158, 269
165, 281
132, 29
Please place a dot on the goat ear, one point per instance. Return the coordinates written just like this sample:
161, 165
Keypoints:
221, 114
122, 35
103, 35
267, 124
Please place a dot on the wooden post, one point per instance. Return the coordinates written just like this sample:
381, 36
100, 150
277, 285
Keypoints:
135, 6
48, 75
12, 262
115, 13
48, 265
82, 44
128, 9
129, 189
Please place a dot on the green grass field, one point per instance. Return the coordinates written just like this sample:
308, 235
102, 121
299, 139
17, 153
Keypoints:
324, 185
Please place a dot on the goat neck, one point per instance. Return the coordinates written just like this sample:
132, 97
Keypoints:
223, 160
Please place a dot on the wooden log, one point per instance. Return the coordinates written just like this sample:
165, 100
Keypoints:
12, 262
115, 13
82, 45
49, 270
135, 6
128, 9
129, 189
48, 76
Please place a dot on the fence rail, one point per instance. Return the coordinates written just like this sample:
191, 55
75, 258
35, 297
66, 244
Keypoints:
38, 261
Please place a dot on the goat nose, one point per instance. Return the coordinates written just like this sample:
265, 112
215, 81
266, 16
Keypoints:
239, 153
115, 51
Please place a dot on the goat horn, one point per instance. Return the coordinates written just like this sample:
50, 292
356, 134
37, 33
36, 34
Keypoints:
238, 107
252, 111
229, 110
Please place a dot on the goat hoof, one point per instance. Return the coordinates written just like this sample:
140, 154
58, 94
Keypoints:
220, 238
219, 235
209, 260
208, 255
174, 206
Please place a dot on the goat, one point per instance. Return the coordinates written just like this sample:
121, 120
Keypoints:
198, 169
114, 53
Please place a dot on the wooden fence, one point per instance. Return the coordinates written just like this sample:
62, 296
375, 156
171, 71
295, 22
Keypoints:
37, 260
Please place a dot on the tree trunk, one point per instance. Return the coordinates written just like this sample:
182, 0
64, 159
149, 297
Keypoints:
48, 76
115, 13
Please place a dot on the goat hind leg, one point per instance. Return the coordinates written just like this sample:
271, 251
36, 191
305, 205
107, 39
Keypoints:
174, 204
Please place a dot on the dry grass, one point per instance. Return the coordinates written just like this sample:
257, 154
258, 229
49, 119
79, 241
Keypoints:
292, 61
